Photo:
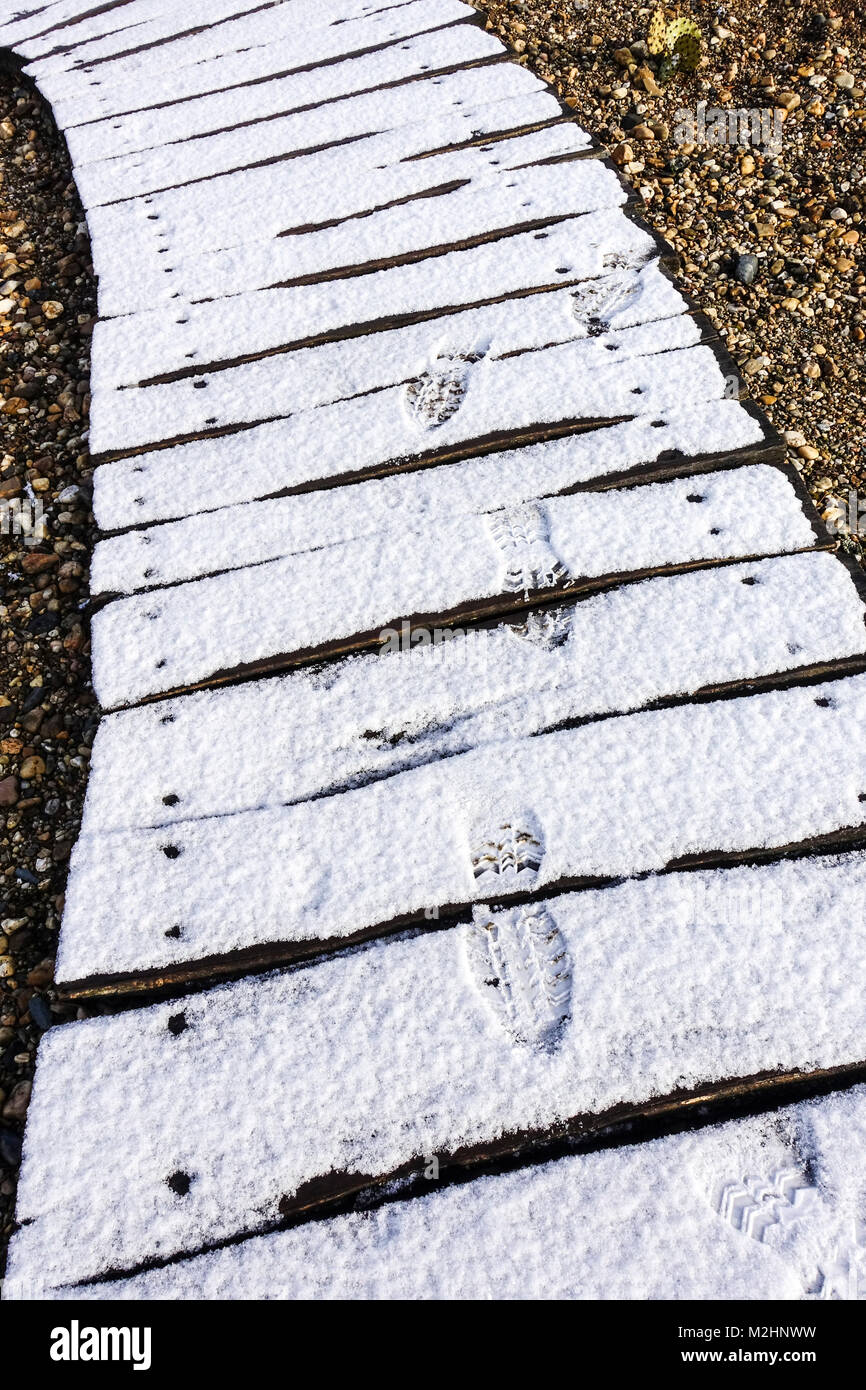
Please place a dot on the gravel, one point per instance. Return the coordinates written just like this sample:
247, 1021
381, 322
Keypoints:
47, 709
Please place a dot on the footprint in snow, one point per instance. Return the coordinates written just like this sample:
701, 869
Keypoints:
438, 392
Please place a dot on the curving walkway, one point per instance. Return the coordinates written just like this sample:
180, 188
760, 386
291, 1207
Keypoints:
450, 600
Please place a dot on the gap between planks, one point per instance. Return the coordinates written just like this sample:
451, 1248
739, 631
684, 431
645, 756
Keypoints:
252, 960
337, 1194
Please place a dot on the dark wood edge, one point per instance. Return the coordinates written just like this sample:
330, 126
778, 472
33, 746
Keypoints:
472, 612
69, 22
620, 1126
268, 955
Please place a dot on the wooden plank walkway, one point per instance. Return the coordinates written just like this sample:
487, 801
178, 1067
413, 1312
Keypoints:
470, 662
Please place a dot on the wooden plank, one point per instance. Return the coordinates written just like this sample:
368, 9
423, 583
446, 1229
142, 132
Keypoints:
241, 534
188, 338
621, 797
569, 462
433, 694
322, 42
242, 68
356, 1068
132, 420
26, 25
434, 571
761, 1207
401, 62
141, 25
215, 214
457, 215
319, 127
540, 394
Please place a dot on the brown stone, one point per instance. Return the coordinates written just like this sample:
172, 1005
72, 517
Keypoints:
37, 561
8, 791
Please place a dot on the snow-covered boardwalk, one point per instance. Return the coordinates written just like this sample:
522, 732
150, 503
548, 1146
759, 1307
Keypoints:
470, 660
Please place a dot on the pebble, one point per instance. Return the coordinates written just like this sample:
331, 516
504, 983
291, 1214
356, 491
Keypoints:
10, 1147
16, 1106
8, 791
40, 1012
746, 269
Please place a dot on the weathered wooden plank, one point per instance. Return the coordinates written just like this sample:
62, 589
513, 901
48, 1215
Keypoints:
334, 124
432, 570
696, 784
760, 1208
206, 476
361, 1066
402, 62
458, 214
244, 534
29, 23
159, 88
322, 32
119, 26
142, 24
240, 534
185, 337
431, 694
288, 195
133, 419
504, 403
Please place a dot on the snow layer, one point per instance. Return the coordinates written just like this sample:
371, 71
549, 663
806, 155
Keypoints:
620, 797
332, 123
364, 1063
118, 28
482, 402
200, 476
33, 29
240, 105
429, 224
245, 67
137, 346
250, 533
764, 1208
312, 189
319, 41
296, 379
294, 736
182, 635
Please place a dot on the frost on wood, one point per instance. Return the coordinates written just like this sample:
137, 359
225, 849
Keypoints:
753, 1204
520, 966
523, 535
437, 394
